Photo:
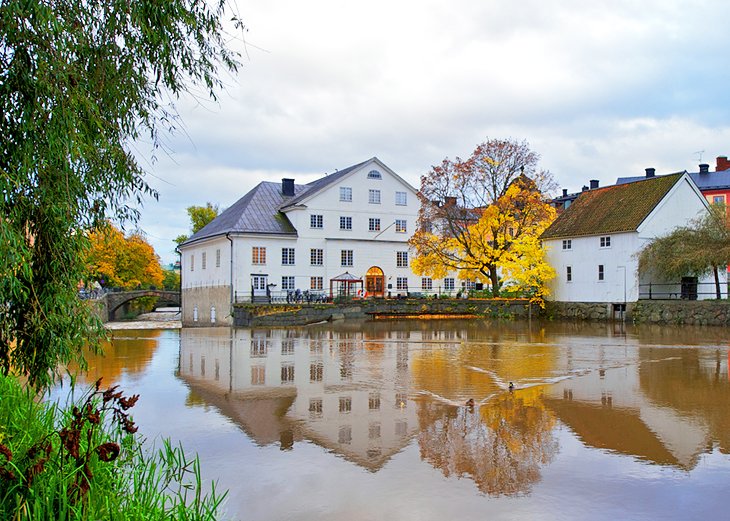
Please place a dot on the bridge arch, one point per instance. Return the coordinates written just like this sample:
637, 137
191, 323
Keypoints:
117, 299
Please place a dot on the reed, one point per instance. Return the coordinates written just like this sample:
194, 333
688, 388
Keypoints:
86, 461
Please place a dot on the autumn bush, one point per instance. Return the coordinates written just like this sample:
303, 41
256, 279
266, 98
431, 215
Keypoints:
85, 461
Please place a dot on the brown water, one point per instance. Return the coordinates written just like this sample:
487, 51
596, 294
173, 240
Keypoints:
368, 420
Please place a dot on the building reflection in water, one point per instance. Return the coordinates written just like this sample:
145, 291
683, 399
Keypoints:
366, 391
341, 390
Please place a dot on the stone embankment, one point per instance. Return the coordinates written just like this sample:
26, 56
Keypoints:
708, 312
278, 315
680, 312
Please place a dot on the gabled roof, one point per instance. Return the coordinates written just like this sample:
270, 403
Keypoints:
255, 212
262, 209
612, 209
321, 184
704, 181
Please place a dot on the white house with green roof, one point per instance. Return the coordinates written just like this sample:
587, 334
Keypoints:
351, 225
593, 246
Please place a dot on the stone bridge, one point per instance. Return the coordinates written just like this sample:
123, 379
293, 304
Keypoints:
112, 301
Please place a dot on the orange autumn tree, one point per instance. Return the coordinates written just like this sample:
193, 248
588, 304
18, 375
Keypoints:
482, 218
124, 262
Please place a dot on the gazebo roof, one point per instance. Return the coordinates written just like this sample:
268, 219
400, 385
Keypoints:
346, 277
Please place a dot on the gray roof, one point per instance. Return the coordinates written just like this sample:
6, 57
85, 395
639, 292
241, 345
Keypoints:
255, 212
706, 181
260, 210
320, 184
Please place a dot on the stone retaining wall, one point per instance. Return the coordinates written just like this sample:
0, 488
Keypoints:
706, 312
256, 315
682, 312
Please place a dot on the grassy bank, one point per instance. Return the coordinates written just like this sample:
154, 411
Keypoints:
85, 461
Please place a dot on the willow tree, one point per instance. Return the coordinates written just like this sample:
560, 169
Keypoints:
80, 82
698, 249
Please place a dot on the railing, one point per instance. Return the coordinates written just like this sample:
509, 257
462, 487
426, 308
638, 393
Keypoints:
320, 296
681, 290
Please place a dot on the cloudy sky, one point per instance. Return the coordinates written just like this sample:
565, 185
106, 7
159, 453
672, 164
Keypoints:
600, 89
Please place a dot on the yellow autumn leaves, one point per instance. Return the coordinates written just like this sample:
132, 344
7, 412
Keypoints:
123, 261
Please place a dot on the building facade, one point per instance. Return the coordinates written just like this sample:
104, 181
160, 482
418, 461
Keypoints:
594, 245
283, 241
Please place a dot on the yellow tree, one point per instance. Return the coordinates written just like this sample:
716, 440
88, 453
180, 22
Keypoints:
125, 262
492, 241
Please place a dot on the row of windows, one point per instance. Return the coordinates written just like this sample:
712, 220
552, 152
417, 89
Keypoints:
316, 257
569, 273
204, 260
288, 282
316, 221
604, 242
401, 198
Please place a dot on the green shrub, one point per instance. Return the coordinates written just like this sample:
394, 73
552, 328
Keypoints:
85, 462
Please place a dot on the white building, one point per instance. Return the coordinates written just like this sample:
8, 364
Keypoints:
593, 246
285, 237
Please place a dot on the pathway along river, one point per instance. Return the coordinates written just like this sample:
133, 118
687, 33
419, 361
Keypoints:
367, 421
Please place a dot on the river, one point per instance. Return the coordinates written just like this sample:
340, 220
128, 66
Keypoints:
369, 420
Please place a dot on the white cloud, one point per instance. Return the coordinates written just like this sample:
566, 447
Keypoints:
599, 89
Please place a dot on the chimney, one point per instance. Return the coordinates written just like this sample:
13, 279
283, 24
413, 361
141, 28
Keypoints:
287, 187
584, 189
650, 172
565, 192
722, 164
594, 184
704, 168
449, 201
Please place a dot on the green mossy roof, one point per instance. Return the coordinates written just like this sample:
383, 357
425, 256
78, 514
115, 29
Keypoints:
613, 209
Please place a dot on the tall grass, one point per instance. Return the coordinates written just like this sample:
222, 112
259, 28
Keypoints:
85, 461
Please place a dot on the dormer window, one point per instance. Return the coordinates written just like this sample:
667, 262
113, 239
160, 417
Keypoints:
374, 174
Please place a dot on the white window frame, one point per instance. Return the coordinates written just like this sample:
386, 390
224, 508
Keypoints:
258, 259
316, 221
345, 222
449, 284
288, 256
288, 282
601, 273
426, 284
316, 256
401, 198
347, 258
569, 273
203, 260
605, 241
373, 196
316, 283
401, 226
401, 283
218, 258
401, 259
346, 194
374, 174
567, 244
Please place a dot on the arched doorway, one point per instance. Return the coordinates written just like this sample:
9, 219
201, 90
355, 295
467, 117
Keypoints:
374, 281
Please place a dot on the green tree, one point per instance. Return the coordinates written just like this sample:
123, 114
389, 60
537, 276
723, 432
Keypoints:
80, 81
698, 249
199, 217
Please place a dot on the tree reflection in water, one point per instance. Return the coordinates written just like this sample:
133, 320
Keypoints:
500, 445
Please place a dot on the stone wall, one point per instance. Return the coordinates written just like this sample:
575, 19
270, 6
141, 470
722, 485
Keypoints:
597, 311
682, 312
199, 304
250, 315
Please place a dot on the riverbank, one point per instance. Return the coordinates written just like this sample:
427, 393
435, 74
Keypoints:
162, 318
